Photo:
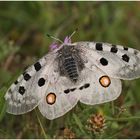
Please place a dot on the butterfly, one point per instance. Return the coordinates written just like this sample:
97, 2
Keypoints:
88, 72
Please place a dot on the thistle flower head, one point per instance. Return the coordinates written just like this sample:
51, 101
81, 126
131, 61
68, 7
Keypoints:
96, 123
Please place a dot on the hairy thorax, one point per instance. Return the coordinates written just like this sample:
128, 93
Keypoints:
70, 62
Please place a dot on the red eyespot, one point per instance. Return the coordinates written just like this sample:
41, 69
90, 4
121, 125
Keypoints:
51, 98
105, 81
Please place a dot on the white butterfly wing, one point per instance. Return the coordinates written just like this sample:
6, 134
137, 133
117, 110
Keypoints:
101, 89
61, 96
25, 94
115, 60
42, 85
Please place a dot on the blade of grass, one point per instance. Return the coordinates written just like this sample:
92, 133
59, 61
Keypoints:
2, 103
45, 135
123, 119
79, 124
113, 108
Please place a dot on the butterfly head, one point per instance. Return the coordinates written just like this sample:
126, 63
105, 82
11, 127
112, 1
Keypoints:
67, 50
67, 41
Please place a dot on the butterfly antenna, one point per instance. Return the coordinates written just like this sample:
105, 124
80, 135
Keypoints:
57, 39
73, 33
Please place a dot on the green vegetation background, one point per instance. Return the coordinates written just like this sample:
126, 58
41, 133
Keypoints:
23, 26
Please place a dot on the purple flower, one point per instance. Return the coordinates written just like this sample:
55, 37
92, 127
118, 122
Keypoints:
53, 46
67, 40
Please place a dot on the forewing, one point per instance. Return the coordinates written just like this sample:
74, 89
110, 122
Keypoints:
25, 94
115, 60
99, 87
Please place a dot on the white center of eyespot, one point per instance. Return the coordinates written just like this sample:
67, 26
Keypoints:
105, 81
51, 98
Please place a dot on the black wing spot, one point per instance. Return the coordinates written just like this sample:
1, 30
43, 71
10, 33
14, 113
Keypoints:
16, 82
86, 85
41, 82
21, 90
66, 91
73, 89
37, 66
103, 61
69, 90
81, 88
125, 48
99, 46
26, 76
114, 49
125, 57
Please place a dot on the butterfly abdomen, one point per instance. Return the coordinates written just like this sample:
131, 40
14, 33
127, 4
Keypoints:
70, 67
70, 63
